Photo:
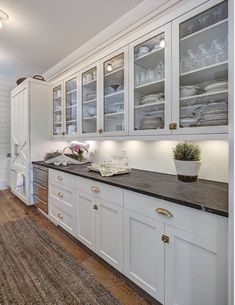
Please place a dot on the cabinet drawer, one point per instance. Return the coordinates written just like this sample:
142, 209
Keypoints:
40, 191
62, 218
40, 175
43, 205
203, 224
101, 190
62, 178
64, 194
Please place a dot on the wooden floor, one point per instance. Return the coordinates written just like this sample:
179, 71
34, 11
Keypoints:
11, 208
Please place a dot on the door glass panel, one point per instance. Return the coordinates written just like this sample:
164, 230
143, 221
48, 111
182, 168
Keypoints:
71, 106
57, 110
204, 68
89, 101
149, 95
114, 94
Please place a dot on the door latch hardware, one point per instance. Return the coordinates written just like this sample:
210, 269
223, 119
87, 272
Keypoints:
173, 126
165, 239
95, 207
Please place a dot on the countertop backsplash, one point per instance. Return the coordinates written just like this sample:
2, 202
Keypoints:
157, 156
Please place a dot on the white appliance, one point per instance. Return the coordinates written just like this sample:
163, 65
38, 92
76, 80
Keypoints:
30, 133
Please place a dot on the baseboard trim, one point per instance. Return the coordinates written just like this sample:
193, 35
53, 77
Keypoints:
4, 185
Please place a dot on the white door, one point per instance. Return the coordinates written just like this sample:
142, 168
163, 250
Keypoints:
86, 220
20, 131
200, 70
144, 253
195, 270
150, 83
109, 233
114, 94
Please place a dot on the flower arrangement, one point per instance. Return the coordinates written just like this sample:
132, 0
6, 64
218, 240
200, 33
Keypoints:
79, 149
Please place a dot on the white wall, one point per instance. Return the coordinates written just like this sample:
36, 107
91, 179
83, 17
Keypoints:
5, 91
157, 156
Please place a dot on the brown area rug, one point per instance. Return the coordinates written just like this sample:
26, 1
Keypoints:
35, 270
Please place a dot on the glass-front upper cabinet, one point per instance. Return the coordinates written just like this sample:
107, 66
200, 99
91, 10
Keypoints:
57, 111
114, 95
200, 75
71, 109
150, 81
89, 109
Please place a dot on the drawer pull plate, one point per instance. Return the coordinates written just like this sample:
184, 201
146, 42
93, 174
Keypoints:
165, 239
60, 195
60, 178
95, 189
60, 216
164, 212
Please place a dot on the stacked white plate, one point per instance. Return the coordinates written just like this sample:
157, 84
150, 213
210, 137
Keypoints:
151, 122
218, 86
152, 98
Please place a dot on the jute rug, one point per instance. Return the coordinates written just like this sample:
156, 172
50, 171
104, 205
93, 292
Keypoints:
35, 270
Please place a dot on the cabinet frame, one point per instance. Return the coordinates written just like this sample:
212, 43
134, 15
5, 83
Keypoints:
126, 81
166, 29
176, 75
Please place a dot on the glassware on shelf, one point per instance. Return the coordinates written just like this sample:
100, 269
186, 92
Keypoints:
115, 86
71, 105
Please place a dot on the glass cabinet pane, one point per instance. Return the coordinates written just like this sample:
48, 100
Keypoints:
57, 111
89, 101
71, 106
114, 94
149, 93
204, 68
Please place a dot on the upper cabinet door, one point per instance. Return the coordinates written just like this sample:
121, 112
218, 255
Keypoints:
58, 111
89, 101
71, 107
200, 69
114, 109
150, 83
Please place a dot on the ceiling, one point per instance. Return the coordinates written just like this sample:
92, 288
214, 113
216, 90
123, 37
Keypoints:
39, 34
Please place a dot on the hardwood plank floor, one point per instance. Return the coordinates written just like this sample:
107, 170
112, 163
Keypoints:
11, 208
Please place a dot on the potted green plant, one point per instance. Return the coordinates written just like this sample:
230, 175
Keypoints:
187, 158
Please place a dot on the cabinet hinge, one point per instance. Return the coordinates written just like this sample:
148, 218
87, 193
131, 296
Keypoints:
165, 239
172, 126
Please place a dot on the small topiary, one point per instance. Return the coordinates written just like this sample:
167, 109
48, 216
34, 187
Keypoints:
187, 151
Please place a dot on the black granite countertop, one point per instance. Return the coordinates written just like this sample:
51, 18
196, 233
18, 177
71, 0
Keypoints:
206, 195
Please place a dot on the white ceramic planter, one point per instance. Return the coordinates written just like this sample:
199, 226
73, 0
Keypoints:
187, 171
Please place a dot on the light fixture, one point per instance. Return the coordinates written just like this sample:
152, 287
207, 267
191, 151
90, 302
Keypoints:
109, 67
3, 17
162, 43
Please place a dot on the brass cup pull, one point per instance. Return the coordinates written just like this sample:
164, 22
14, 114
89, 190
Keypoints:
95, 189
60, 195
60, 216
164, 212
60, 178
95, 207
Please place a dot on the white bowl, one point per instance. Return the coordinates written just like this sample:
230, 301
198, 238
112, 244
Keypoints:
188, 91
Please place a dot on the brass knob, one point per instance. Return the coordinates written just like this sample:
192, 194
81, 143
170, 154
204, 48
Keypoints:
95, 207
164, 212
60, 216
173, 126
60, 178
60, 195
95, 189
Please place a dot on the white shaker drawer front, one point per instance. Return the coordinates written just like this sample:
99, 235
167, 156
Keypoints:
62, 193
101, 190
62, 178
201, 223
66, 207
59, 216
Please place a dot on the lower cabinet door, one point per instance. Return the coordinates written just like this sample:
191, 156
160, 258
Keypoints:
109, 233
86, 220
144, 253
195, 270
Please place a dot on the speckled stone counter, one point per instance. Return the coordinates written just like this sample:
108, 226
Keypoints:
206, 195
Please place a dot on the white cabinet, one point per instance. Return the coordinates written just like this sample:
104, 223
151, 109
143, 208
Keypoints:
150, 83
144, 253
109, 233
86, 220
100, 220
30, 125
200, 70
195, 270
65, 108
